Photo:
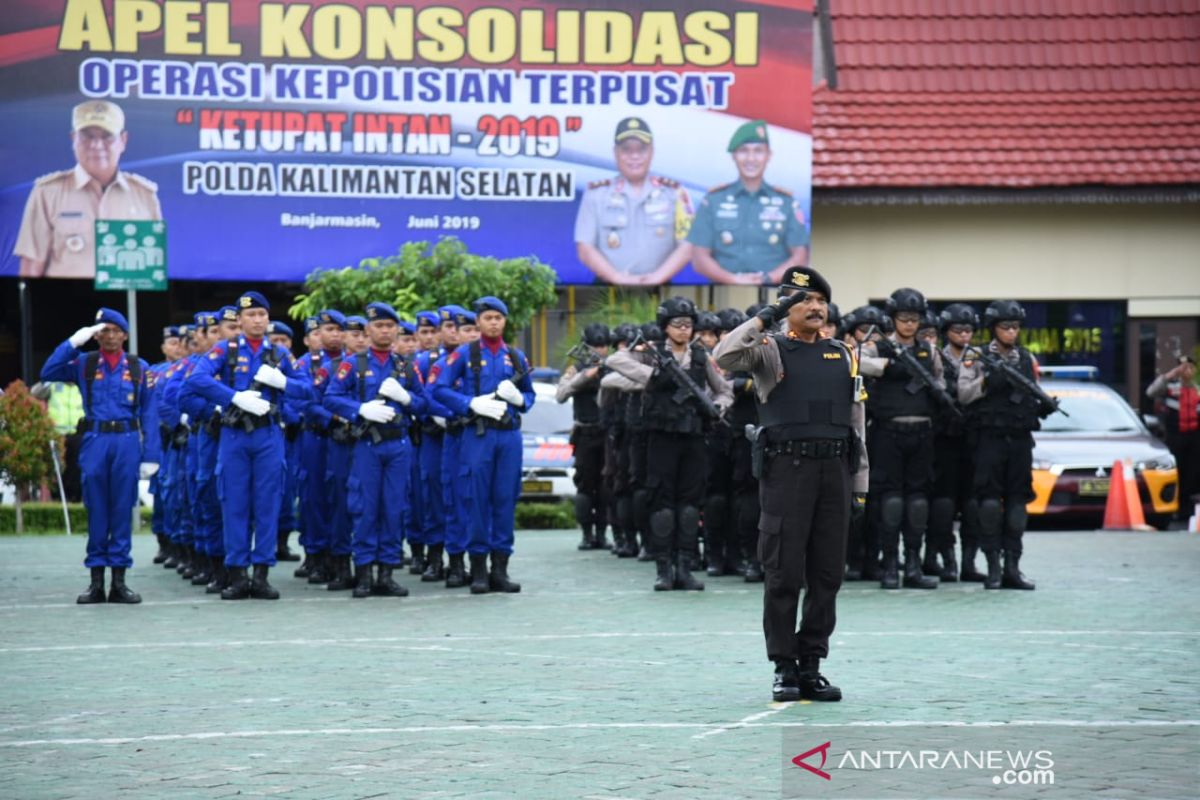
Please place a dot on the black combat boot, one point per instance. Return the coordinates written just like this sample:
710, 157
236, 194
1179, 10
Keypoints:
914, 578
341, 579
220, 577
586, 542
163, 543
172, 559
419, 565
1012, 577
238, 587
995, 573
872, 570
95, 590
322, 569
930, 565
949, 565
599, 542
479, 574
753, 572
890, 576
305, 568
119, 592
362, 580
968, 573
456, 576
186, 559
629, 547
260, 589
385, 585
282, 551
665, 581
202, 571
435, 569
786, 686
813, 685
498, 578
683, 575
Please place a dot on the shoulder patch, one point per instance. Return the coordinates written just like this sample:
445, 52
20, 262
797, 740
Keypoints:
321, 376
53, 176
600, 184
344, 369
776, 189
659, 180
722, 187
142, 181
450, 359
434, 371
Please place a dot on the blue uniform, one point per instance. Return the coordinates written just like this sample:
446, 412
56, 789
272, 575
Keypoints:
158, 515
314, 498
339, 454
489, 462
202, 451
249, 475
293, 418
378, 482
431, 527
112, 447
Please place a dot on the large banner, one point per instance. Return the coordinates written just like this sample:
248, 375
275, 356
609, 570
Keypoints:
619, 142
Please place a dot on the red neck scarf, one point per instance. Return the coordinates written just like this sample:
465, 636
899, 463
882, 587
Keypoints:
492, 344
112, 359
254, 343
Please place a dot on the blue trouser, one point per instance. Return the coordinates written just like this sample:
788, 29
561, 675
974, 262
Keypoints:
489, 468
455, 533
250, 485
209, 538
181, 512
108, 466
314, 496
157, 514
430, 487
166, 488
376, 494
287, 508
337, 473
413, 527
194, 511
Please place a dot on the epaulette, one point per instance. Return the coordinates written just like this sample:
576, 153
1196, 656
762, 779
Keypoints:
145, 182
600, 184
53, 176
720, 188
783, 192
659, 180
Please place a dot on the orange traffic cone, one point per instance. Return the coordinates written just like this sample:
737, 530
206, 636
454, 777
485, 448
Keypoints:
1123, 511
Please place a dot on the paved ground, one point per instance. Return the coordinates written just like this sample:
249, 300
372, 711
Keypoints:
589, 685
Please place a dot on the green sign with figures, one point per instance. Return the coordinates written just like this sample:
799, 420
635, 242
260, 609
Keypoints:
131, 254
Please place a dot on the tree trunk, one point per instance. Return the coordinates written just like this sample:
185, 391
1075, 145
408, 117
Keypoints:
20, 515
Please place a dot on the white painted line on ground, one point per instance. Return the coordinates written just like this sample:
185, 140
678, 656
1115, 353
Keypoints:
519, 727
744, 721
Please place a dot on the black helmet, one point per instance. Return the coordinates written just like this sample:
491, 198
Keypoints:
905, 300
651, 332
674, 307
625, 332
731, 318
870, 315
928, 320
1003, 311
754, 309
958, 314
835, 316
708, 321
597, 334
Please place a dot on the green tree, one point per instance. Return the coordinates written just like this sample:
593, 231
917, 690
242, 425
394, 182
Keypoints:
25, 433
423, 277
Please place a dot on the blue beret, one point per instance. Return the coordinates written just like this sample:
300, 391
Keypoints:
407, 327
356, 323
252, 300
186, 330
427, 318
464, 317
205, 319
171, 332
332, 316
382, 311
446, 313
227, 313
490, 303
311, 324
113, 316
280, 328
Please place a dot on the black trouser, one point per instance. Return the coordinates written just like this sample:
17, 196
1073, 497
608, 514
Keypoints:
718, 497
617, 485
675, 471
591, 497
802, 545
1003, 485
746, 507
901, 458
1186, 449
641, 492
953, 465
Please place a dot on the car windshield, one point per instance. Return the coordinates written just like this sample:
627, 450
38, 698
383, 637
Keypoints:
548, 418
1091, 410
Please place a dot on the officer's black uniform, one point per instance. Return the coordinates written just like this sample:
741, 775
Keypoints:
614, 408
588, 439
742, 546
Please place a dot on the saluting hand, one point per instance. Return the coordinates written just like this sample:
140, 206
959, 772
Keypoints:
778, 310
84, 335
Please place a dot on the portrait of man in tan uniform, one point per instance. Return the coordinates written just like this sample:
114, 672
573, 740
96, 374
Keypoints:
57, 236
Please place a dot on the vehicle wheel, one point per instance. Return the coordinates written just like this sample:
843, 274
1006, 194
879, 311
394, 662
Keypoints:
1160, 521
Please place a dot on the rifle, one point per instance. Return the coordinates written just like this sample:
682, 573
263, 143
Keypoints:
922, 376
1047, 405
685, 386
519, 373
584, 356
236, 416
363, 427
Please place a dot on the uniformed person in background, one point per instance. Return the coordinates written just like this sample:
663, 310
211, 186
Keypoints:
581, 381
172, 350
339, 457
427, 330
1178, 403
927, 329
748, 231
57, 236
614, 408
902, 411
114, 452
200, 460
632, 229
832, 323
1001, 423
741, 550
675, 441
813, 459
280, 333
428, 540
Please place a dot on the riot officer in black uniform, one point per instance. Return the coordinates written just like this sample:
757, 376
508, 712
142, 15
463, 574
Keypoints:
581, 380
1003, 415
862, 324
614, 402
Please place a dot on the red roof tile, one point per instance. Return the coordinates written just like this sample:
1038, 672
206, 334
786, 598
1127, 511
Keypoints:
1010, 93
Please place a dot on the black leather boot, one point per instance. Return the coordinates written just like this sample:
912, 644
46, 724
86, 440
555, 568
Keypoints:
665, 580
949, 565
202, 571
435, 569
498, 580
260, 589
163, 542
341, 579
683, 574
119, 592
968, 573
754, 571
456, 576
186, 558
930, 565
385, 585
786, 686
995, 573
305, 568
282, 551
586, 542
872, 570
814, 685
890, 576
239, 585
419, 564
362, 580
479, 574
172, 559
95, 590
1012, 577
599, 541
220, 577
322, 569
914, 578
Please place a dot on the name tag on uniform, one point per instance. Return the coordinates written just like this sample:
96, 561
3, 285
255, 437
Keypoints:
832, 356
70, 214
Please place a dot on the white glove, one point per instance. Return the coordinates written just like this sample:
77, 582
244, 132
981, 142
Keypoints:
508, 391
377, 411
391, 388
488, 407
251, 402
270, 376
84, 335
146, 469
440, 422
183, 419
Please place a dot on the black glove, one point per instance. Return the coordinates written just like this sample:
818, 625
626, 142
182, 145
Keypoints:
779, 309
885, 348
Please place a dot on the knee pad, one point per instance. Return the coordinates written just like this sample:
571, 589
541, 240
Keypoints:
583, 509
1015, 518
662, 528
917, 508
891, 511
990, 514
941, 514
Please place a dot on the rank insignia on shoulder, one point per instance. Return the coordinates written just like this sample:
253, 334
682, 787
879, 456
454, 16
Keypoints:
599, 184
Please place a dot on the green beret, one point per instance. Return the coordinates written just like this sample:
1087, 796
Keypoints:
753, 132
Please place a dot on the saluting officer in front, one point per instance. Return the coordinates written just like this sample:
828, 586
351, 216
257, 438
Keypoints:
811, 458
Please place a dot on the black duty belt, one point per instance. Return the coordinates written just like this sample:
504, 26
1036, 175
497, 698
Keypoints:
254, 422
431, 429
317, 428
114, 426
810, 448
455, 425
379, 433
917, 426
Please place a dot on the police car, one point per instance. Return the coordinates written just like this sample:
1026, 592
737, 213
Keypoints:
548, 459
1073, 455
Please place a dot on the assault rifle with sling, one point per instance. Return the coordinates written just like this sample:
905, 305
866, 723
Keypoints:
922, 377
364, 427
519, 373
234, 416
1047, 405
584, 356
685, 386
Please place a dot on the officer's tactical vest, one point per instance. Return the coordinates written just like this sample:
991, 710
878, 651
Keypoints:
586, 406
890, 396
1008, 406
660, 410
814, 399
745, 408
